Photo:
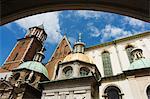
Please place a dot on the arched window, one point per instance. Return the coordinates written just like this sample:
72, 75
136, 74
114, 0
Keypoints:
84, 71
16, 76
68, 71
112, 92
107, 64
128, 49
148, 92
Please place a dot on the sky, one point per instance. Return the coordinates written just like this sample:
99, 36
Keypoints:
96, 27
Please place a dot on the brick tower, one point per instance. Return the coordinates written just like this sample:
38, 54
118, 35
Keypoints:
26, 48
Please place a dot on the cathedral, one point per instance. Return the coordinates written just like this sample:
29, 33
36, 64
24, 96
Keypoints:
119, 69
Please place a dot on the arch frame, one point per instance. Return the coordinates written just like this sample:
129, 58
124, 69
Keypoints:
114, 85
145, 89
17, 9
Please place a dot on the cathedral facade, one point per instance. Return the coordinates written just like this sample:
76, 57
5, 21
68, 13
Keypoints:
119, 69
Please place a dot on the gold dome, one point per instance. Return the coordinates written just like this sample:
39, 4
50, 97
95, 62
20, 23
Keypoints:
78, 56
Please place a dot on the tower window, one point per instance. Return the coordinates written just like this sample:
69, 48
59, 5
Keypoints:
23, 43
112, 92
16, 76
128, 51
15, 56
107, 64
148, 92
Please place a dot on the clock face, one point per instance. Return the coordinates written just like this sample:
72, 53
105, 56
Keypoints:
68, 71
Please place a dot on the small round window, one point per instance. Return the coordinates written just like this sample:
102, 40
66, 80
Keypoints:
68, 71
84, 71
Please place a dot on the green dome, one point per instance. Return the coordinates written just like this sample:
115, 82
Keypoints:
35, 66
141, 63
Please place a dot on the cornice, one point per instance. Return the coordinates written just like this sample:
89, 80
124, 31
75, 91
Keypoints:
119, 40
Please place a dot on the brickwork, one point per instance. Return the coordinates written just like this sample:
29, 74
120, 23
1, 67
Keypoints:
60, 53
20, 49
24, 50
35, 46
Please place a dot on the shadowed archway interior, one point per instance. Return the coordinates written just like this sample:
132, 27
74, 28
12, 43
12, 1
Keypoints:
16, 9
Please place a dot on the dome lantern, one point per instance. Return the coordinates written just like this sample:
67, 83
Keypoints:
79, 45
39, 55
139, 60
137, 54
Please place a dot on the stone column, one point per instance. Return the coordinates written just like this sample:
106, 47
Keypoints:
22, 75
71, 94
88, 94
43, 95
59, 72
76, 69
56, 95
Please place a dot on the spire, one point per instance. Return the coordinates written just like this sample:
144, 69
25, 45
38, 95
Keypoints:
79, 37
39, 55
79, 45
41, 26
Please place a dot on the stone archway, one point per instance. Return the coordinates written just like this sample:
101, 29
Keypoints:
15, 9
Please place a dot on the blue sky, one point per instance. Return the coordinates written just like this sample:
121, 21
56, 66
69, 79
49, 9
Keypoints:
96, 27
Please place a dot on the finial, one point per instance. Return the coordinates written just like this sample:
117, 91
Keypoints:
79, 37
65, 34
41, 26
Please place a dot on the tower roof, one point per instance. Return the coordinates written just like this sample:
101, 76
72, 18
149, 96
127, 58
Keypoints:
78, 53
34, 66
41, 26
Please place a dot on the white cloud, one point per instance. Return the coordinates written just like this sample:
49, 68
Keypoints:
113, 32
94, 31
88, 14
134, 22
49, 20
72, 40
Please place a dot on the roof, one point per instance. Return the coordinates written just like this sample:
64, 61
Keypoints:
141, 63
35, 66
119, 40
78, 56
68, 43
41, 26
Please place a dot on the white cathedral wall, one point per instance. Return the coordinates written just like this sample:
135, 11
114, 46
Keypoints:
67, 93
121, 62
132, 88
122, 85
97, 59
138, 86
